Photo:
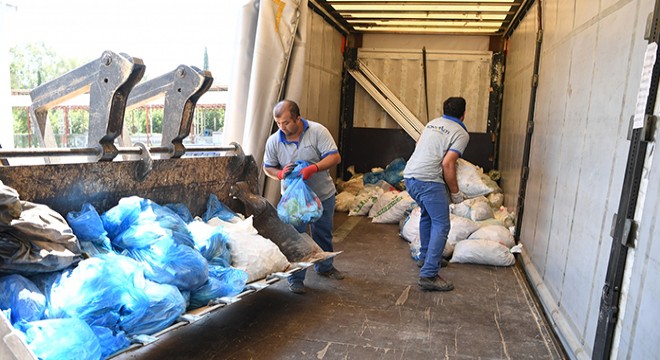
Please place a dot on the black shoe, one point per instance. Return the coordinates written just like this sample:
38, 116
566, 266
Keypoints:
435, 283
443, 263
332, 273
297, 287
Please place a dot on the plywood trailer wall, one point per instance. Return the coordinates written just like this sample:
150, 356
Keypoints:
323, 74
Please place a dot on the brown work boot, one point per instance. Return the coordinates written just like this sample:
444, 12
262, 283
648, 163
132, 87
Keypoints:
435, 283
332, 273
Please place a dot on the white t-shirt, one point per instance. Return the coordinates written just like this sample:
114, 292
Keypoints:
438, 137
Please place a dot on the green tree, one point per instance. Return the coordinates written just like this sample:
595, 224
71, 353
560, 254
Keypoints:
33, 64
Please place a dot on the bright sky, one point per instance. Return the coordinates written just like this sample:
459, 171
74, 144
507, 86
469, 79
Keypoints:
163, 33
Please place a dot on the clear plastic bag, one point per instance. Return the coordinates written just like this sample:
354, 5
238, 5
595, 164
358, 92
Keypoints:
299, 204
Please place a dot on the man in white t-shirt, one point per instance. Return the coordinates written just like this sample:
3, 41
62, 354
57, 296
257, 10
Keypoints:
301, 139
429, 172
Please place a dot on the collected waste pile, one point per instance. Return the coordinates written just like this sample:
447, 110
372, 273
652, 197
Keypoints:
481, 227
89, 285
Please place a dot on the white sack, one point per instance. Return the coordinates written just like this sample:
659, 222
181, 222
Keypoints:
471, 182
410, 226
506, 217
409, 230
476, 209
344, 201
483, 252
496, 200
364, 200
391, 207
461, 228
494, 233
354, 185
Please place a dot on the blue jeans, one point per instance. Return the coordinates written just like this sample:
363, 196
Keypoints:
322, 235
434, 222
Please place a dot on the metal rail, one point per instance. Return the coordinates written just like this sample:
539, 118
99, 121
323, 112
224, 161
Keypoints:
97, 151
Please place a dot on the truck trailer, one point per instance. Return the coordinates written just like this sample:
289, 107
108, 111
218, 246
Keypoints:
561, 103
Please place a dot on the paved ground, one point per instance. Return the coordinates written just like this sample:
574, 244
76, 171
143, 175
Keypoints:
377, 312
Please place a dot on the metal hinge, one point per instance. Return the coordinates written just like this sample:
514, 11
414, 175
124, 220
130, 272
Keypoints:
628, 231
535, 80
648, 128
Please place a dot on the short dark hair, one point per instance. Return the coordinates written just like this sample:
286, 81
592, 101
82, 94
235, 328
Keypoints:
454, 106
283, 105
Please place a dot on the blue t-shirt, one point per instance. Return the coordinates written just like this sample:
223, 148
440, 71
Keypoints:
315, 143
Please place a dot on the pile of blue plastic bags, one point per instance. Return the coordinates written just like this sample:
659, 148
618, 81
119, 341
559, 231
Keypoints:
146, 265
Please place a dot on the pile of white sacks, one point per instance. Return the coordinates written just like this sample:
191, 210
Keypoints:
481, 228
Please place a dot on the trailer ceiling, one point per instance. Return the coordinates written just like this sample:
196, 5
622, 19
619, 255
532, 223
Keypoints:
458, 17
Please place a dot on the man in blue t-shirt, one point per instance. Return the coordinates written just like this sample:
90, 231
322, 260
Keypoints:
429, 172
300, 139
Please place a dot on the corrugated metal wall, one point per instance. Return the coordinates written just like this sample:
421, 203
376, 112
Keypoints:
449, 73
323, 70
589, 76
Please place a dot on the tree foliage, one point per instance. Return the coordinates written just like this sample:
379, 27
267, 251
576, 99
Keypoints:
33, 64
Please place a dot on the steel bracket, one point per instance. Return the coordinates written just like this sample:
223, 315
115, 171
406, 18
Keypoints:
146, 162
181, 88
108, 79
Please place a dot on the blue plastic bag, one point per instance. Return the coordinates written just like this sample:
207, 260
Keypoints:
166, 304
234, 279
133, 213
168, 262
181, 210
88, 227
299, 204
373, 177
394, 171
103, 291
61, 339
210, 241
223, 281
215, 208
23, 297
109, 341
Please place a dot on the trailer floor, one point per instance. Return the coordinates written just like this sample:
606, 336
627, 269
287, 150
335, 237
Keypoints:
377, 312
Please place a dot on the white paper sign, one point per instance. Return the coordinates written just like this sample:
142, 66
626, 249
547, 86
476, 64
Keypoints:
645, 84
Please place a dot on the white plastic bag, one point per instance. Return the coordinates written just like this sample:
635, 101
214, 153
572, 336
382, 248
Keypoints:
252, 252
483, 252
